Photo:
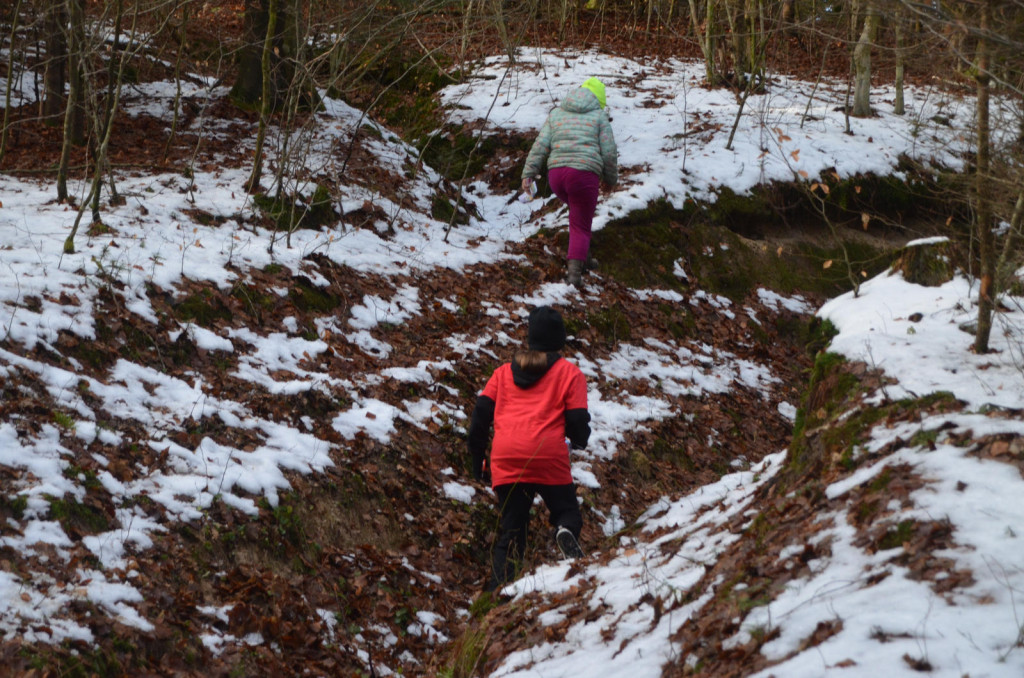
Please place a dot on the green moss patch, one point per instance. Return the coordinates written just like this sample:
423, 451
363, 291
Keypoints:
647, 248
79, 518
896, 537
310, 298
291, 212
203, 308
13, 507
673, 452
256, 299
612, 323
641, 249
292, 536
833, 423
931, 265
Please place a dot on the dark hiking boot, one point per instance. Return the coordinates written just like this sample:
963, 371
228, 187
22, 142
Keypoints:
575, 275
591, 264
567, 544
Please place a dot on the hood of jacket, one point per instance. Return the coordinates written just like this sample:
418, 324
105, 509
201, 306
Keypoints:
524, 379
581, 101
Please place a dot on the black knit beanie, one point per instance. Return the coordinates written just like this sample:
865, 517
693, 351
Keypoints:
547, 331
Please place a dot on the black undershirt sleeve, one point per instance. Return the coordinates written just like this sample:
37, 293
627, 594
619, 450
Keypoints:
577, 427
480, 433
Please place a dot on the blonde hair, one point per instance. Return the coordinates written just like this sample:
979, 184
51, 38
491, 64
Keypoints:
532, 361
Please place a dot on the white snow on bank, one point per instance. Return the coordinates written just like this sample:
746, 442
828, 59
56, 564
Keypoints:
672, 132
891, 321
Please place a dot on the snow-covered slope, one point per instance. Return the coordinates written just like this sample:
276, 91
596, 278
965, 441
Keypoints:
640, 599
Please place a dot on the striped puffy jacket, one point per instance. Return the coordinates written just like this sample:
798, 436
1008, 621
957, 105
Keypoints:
577, 134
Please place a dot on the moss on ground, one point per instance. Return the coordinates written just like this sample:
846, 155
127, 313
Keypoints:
612, 323
673, 452
13, 507
203, 308
650, 247
308, 297
291, 212
79, 517
833, 423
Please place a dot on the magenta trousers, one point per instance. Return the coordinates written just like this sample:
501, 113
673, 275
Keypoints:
579, 190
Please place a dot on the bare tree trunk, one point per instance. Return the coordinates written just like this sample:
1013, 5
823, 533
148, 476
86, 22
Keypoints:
899, 106
104, 127
567, 17
248, 89
56, 62
76, 70
814, 90
756, 37
502, 26
10, 80
106, 120
986, 238
705, 37
734, 15
862, 63
253, 184
466, 16
248, 86
176, 115
1010, 256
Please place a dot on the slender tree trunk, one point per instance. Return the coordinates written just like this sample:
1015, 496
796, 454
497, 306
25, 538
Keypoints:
248, 87
253, 184
56, 62
705, 37
862, 63
899, 106
1010, 256
176, 115
502, 26
467, 15
788, 13
755, 37
817, 82
77, 53
113, 76
72, 130
10, 80
734, 15
103, 142
106, 120
986, 238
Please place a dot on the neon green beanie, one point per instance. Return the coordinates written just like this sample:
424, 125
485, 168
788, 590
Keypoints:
597, 87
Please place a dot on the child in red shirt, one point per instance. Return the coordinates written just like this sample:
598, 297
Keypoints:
535, 403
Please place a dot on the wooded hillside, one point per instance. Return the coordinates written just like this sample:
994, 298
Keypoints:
259, 257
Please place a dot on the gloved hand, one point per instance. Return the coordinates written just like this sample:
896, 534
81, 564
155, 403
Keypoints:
481, 470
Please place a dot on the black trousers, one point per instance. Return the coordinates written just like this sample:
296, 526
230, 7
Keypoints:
514, 502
